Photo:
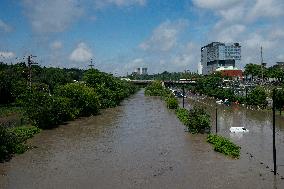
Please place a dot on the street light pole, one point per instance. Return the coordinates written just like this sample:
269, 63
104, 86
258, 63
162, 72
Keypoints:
183, 96
216, 121
273, 123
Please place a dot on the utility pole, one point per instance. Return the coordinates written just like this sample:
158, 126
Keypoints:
30, 63
261, 57
91, 65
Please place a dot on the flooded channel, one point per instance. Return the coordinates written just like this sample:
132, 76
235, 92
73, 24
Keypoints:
141, 144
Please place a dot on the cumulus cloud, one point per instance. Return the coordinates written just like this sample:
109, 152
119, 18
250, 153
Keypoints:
52, 15
7, 54
82, 53
164, 37
4, 27
55, 45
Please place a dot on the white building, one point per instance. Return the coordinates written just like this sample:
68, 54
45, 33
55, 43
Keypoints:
216, 54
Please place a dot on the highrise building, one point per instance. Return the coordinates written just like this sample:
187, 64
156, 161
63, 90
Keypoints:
217, 54
141, 71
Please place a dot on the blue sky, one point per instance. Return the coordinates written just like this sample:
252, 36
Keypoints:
121, 35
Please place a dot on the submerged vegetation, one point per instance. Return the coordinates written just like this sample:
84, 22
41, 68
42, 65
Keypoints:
53, 97
196, 120
12, 141
224, 145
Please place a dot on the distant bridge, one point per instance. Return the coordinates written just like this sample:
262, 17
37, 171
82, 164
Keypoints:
192, 81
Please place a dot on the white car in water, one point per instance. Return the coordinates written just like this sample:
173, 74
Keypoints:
238, 130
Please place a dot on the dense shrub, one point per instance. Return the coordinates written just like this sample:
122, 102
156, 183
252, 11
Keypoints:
25, 132
12, 140
172, 102
156, 89
84, 99
199, 120
183, 115
196, 119
224, 145
8, 141
47, 111
111, 91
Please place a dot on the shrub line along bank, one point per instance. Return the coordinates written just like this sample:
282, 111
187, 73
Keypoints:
196, 120
46, 110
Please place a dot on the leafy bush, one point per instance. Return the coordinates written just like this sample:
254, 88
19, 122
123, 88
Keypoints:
183, 115
172, 102
224, 145
8, 141
111, 91
12, 140
84, 99
156, 89
196, 119
47, 111
25, 132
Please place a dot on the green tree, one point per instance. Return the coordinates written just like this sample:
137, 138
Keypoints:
84, 100
257, 97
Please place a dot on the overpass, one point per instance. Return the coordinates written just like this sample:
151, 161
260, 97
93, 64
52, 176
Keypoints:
190, 81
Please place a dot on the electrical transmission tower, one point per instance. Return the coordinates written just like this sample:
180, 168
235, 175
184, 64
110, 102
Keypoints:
91, 64
30, 63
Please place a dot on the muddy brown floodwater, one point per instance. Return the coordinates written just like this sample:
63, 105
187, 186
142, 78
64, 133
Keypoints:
141, 144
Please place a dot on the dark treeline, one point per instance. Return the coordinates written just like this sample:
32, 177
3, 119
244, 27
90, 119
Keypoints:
165, 76
64, 93
53, 97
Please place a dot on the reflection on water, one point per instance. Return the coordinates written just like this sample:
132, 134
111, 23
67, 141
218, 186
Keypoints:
141, 144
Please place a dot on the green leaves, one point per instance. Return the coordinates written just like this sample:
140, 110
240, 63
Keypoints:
84, 100
12, 140
47, 111
172, 102
257, 97
111, 91
224, 145
196, 119
156, 89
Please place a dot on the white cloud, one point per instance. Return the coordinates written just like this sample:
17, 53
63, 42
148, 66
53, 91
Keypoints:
52, 15
55, 45
266, 8
82, 53
7, 54
230, 34
216, 4
5, 27
164, 37
119, 3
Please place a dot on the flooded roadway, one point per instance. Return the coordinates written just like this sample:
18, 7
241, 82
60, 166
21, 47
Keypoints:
140, 144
